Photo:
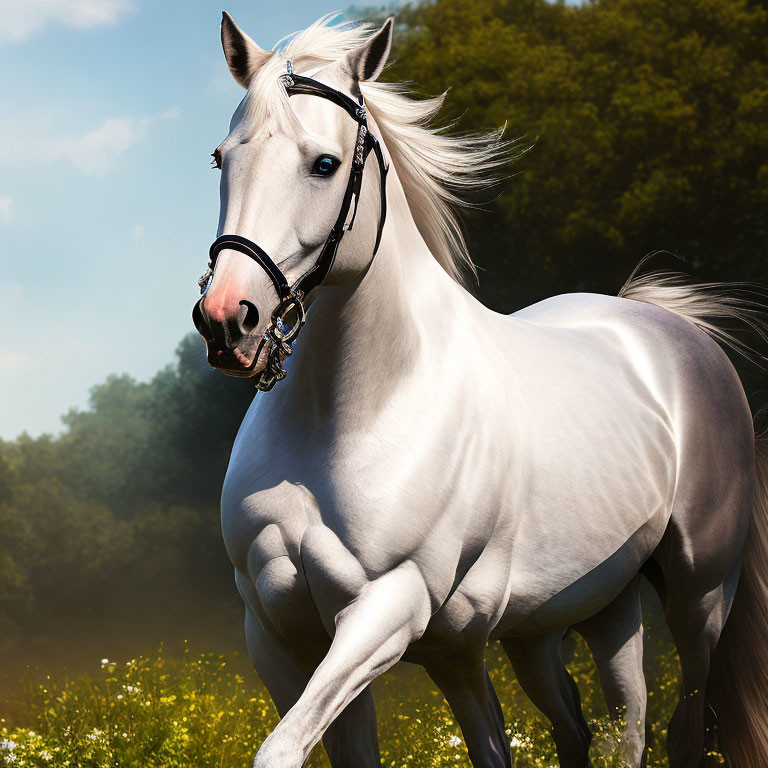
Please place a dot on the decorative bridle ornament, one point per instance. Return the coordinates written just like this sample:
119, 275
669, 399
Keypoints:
289, 315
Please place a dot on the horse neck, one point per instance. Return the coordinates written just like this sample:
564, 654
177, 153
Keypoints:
364, 337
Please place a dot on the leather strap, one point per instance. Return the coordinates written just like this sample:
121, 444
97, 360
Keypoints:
298, 84
365, 143
383, 168
244, 245
319, 271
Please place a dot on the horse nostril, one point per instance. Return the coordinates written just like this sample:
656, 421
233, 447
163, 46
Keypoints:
251, 318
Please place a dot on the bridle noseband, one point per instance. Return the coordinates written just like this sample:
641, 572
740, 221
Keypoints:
288, 317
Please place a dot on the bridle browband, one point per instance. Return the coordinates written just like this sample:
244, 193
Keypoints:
280, 334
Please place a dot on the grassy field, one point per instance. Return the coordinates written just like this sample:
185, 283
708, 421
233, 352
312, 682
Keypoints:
205, 711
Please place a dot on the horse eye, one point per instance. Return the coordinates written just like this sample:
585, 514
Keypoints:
216, 155
325, 165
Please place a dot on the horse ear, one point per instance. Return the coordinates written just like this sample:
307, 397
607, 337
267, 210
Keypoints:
243, 56
367, 60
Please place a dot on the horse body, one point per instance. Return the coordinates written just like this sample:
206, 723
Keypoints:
433, 475
552, 465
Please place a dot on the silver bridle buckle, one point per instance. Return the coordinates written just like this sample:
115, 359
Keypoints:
279, 337
205, 280
286, 79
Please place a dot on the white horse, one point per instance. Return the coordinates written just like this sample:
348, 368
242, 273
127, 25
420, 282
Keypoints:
433, 475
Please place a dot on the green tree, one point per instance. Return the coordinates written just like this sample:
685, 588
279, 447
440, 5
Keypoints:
647, 122
164, 441
115, 523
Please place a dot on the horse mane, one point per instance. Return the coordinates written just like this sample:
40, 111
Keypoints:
434, 168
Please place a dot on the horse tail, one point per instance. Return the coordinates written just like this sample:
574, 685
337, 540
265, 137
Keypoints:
706, 305
737, 687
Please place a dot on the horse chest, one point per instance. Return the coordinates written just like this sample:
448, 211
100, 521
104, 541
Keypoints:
303, 551
364, 485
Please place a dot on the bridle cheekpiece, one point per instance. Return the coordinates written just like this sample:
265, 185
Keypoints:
289, 316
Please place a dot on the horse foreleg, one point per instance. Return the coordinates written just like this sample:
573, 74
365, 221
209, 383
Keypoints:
284, 676
351, 741
547, 683
469, 693
372, 633
615, 638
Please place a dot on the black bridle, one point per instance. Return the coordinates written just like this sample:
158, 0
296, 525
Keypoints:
288, 317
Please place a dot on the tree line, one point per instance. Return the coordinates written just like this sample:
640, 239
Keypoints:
642, 124
114, 525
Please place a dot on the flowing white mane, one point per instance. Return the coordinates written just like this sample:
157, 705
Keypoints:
433, 168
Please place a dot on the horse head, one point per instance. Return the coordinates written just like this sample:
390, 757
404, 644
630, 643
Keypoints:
292, 168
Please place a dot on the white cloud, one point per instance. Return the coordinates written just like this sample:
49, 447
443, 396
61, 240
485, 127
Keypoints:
170, 114
97, 151
13, 360
20, 19
9, 293
6, 208
93, 152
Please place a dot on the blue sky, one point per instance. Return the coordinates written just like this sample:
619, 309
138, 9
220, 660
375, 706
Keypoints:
109, 110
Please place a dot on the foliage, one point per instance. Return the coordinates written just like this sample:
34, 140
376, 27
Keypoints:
117, 519
646, 122
147, 712
164, 441
153, 712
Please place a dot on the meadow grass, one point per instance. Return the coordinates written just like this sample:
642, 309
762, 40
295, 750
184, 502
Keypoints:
202, 711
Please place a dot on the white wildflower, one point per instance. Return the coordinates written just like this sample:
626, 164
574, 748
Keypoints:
9, 745
454, 741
